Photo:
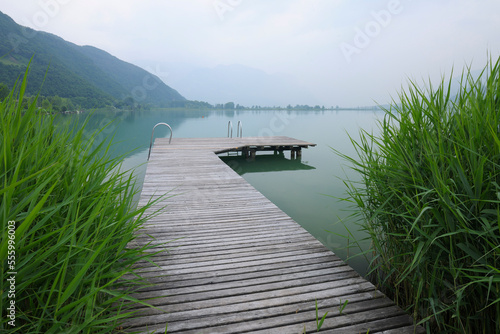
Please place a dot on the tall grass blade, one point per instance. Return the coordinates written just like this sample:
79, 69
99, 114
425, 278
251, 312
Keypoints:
429, 199
74, 224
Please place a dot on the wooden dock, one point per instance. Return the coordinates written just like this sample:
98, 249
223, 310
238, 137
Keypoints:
238, 263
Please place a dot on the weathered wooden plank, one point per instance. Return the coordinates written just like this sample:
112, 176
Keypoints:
402, 330
236, 263
217, 254
296, 313
181, 296
223, 265
217, 283
257, 301
234, 273
296, 323
363, 322
194, 249
232, 257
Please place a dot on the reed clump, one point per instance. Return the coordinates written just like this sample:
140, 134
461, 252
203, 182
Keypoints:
429, 199
74, 217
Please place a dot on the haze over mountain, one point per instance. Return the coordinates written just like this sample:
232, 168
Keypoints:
89, 76
237, 83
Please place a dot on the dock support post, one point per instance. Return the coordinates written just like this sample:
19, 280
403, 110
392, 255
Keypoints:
295, 152
250, 155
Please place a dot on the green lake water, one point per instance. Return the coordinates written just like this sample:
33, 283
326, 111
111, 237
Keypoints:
305, 189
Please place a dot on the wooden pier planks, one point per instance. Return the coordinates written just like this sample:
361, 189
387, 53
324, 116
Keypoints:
236, 262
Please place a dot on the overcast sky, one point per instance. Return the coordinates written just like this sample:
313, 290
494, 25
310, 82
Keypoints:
346, 52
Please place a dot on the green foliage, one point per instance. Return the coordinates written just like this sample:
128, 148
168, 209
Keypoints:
229, 105
430, 201
342, 305
319, 322
188, 105
88, 76
4, 91
57, 81
74, 218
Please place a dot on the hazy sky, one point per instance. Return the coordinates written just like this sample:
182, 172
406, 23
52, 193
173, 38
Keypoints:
346, 52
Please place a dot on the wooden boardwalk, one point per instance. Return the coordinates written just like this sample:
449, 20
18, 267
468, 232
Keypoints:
238, 263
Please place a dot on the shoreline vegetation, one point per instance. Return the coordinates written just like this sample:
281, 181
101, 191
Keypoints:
62, 105
429, 200
67, 216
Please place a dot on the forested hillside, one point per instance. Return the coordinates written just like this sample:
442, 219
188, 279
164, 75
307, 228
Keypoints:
89, 77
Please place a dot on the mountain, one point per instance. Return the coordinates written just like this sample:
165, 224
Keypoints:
88, 76
238, 83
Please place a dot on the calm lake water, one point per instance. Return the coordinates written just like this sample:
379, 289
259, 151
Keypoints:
307, 190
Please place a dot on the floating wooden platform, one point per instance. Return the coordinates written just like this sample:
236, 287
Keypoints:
237, 263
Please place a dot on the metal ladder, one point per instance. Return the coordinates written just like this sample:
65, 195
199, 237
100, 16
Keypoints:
152, 134
239, 130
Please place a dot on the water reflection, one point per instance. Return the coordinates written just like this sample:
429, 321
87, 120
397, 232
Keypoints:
264, 163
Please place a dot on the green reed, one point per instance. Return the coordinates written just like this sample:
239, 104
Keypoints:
429, 199
74, 217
